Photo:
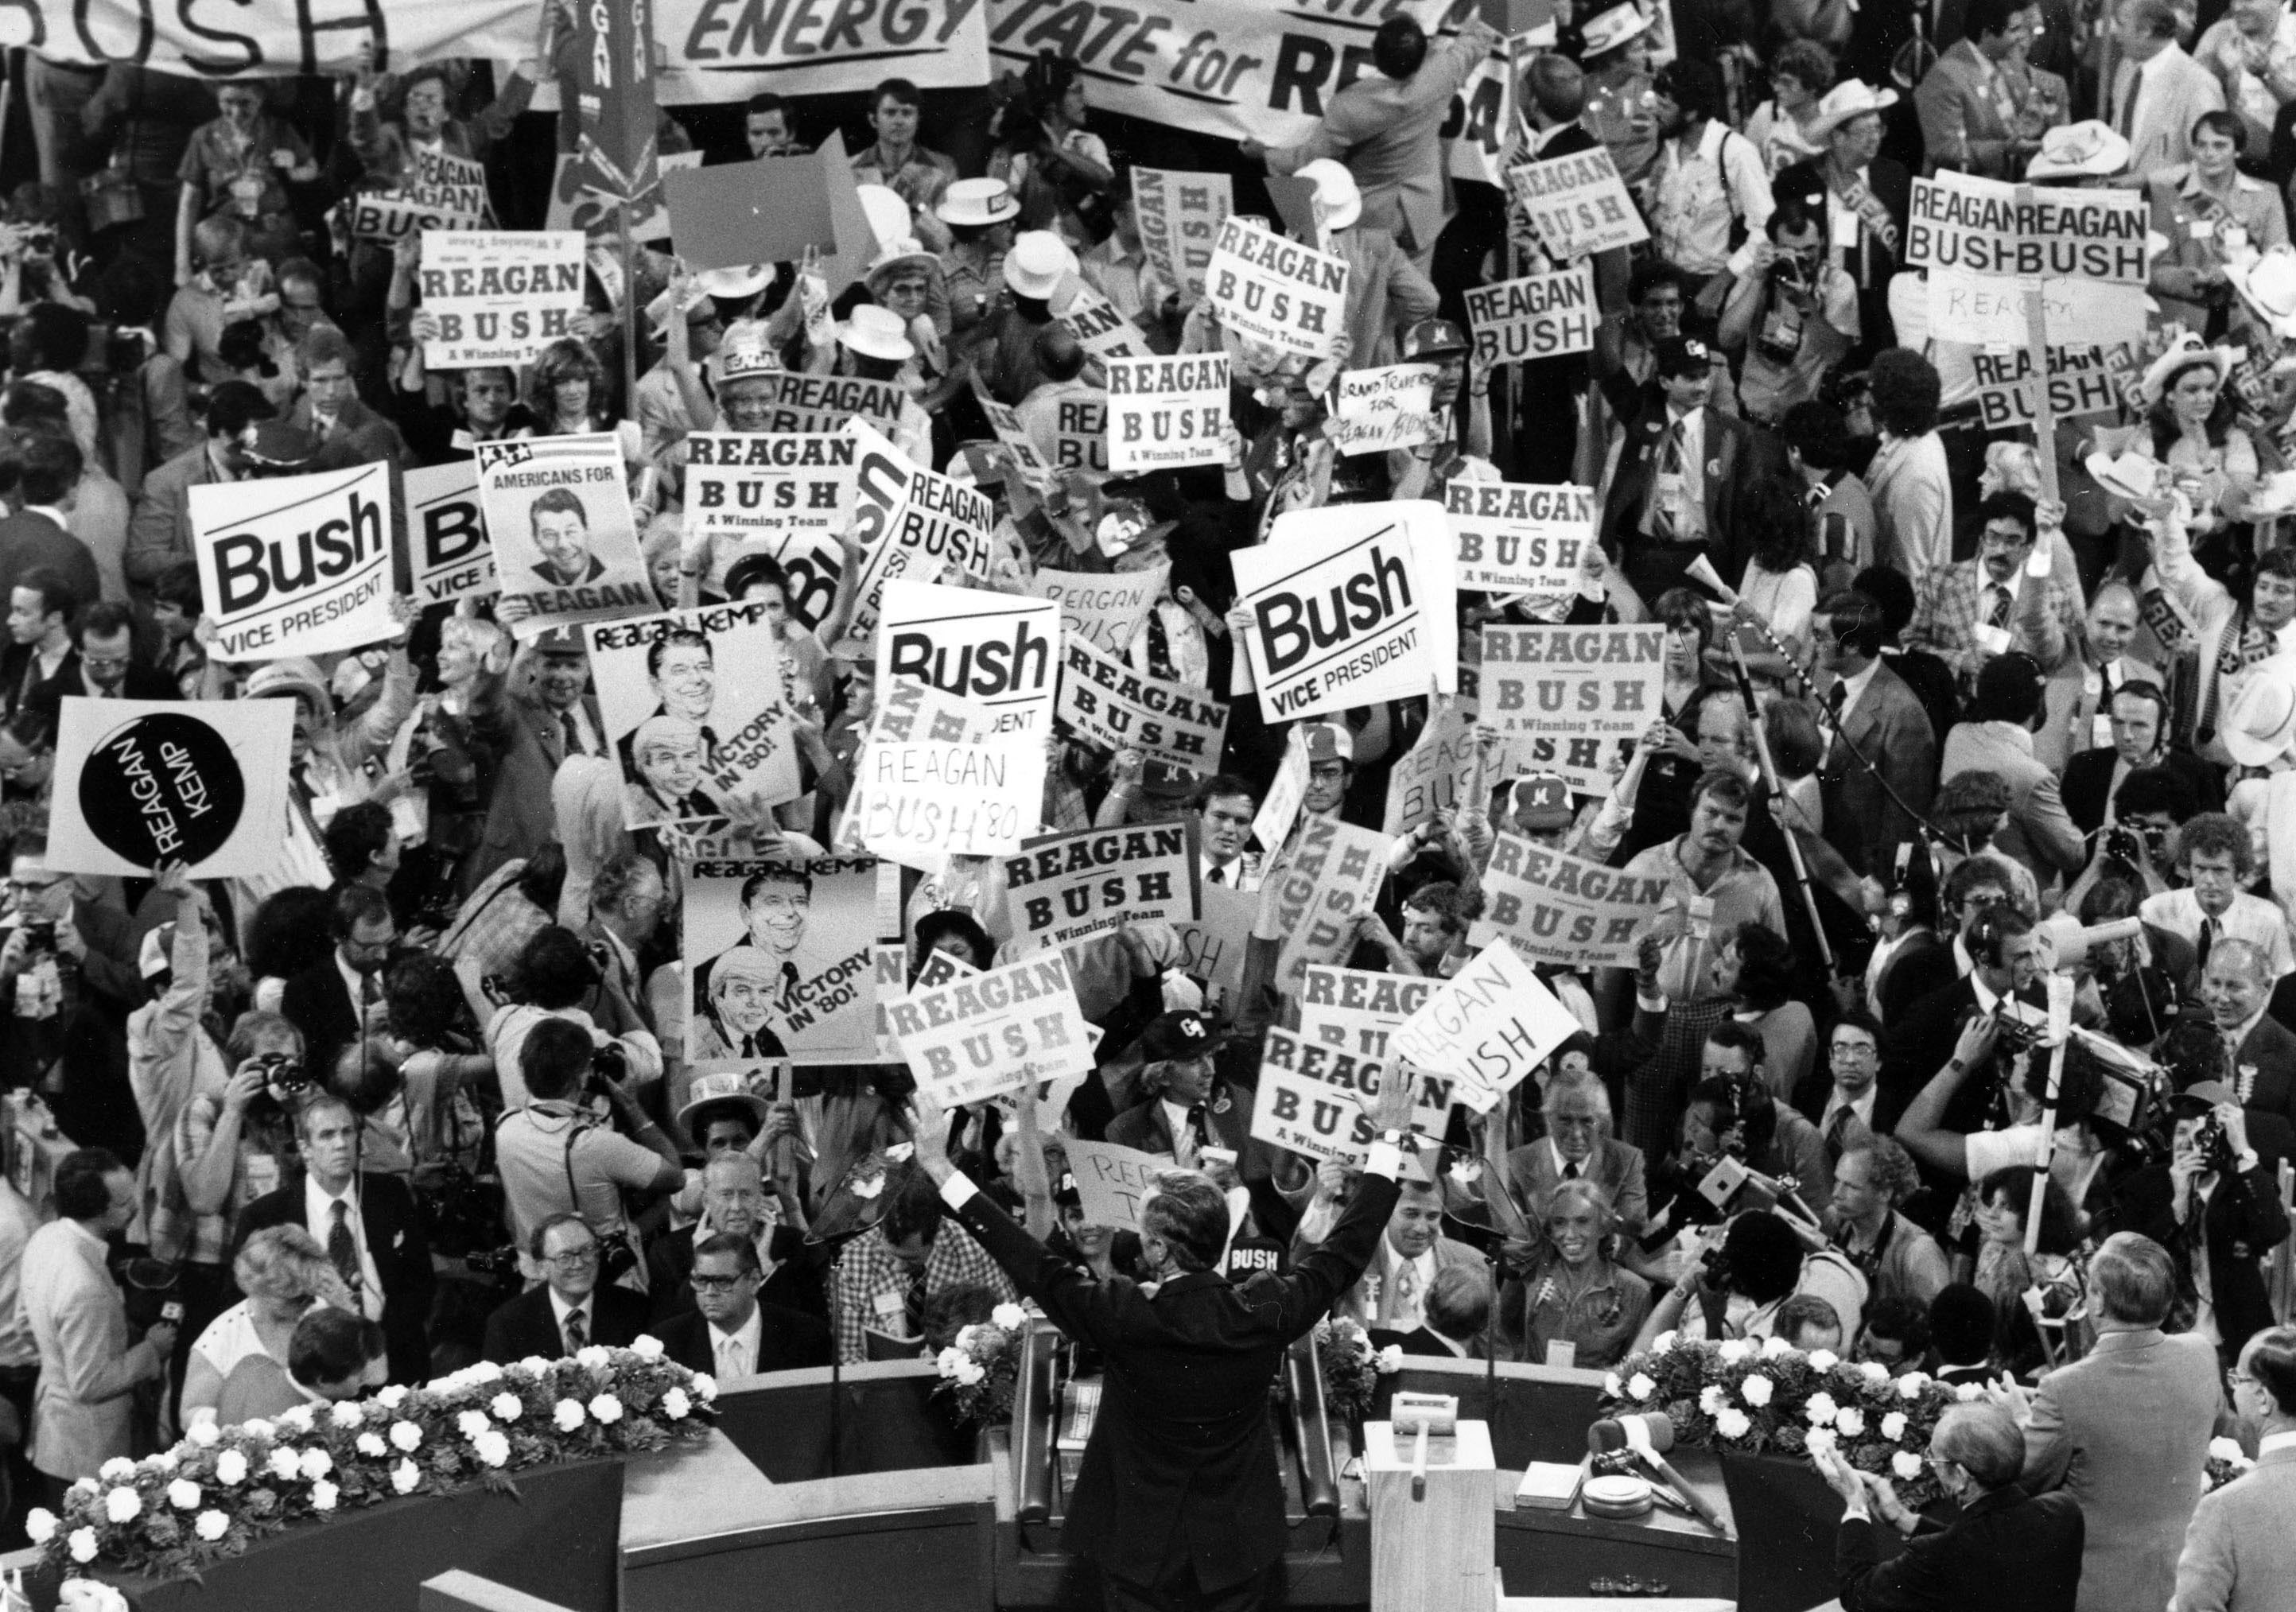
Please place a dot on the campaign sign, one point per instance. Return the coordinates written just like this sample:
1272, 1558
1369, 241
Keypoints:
1166, 413
1567, 698
1098, 324
1102, 699
1359, 1077
1983, 242
782, 957
1490, 1025
995, 1031
1081, 433
1027, 458
993, 649
1180, 215
1213, 948
1300, 1113
742, 486
1061, 887
1375, 410
807, 404
1102, 609
1517, 537
696, 705
295, 564
911, 523
1271, 289
141, 782
1576, 203
919, 802
1434, 776
1537, 316
566, 543
813, 564
1555, 908
500, 297
2081, 381
1343, 613
1354, 1009
1310, 900
453, 559
1112, 1180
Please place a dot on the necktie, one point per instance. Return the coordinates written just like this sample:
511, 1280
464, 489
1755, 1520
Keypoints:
1571, 1170
1836, 697
1669, 464
573, 732
2000, 617
1836, 1128
577, 1334
1402, 1291
733, 1358
1199, 1133
342, 1247
2128, 101
2207, 938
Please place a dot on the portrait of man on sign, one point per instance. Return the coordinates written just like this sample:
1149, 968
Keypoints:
745, 995
562, 531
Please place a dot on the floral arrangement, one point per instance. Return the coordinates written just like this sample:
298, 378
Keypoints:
223, 1488
980, 1370
1758, 1395
2226, 1461
1351, 1367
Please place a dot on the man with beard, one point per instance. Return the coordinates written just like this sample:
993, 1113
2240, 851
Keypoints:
1224, 809
1712, 887
1967, 614
1709, 178
338, 1001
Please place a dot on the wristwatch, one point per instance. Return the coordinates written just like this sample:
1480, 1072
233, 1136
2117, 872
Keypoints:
1395, 1139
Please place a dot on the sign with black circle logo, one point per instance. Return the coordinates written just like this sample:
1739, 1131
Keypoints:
140, 782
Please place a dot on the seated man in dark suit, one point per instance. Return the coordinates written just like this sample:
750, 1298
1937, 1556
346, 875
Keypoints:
569, 1310
731, 1334
2003, 1551
734, 1200
1458, 1320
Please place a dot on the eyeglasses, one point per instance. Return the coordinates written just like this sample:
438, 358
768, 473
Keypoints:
104, 663
32, 887
713, 1284
572, 1257
1852, 1049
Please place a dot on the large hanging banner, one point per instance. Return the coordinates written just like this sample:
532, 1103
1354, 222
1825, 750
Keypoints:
1518, 537
299, 565
500, 297
1555, 908
1567, 698
993, 1032
742, 486
1491, 1025
1062, 887
200, 781
1102, 699
1982, 241
696, 708
781, 960
266, 41
1354, 1009
1180, 215
453, 559
566, 543
1275, 291
993, 649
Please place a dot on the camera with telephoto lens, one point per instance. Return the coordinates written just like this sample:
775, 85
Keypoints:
492, 1262
1715, 1264
609, 1063
2213, 1143
40, 938
1789, 272
283, 1075
2136, 844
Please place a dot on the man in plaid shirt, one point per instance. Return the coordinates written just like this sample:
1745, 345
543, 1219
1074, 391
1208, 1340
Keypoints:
887, 1274
1968, 613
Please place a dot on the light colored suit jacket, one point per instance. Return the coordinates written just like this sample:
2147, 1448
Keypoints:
1962, 126
2125, 1431
2040, 833
1889, 729
1386, 293
1615, 1166
2240, 1553
88, 1370
1369, 1300
2176, 91
1912, 504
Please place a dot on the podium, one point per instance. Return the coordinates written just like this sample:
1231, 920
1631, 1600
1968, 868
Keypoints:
1432, 1554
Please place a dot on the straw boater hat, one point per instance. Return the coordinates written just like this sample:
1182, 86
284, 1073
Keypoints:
2262, 721
1038, 263
899, 254
977, 202
876, 332
2079, 150
1608, 30
1336, 189
727, 1088
744, 354
1850, 98
2186, 354
2268, 284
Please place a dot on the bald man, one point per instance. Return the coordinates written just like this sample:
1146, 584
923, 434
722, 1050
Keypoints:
2078, 702
2236, 984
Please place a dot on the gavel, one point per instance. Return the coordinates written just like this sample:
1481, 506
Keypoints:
1423, 1413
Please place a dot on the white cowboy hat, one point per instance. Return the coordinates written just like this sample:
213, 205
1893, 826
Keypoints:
1608, 30
2130, 475
1336, 189
2268, 284
657, 312
2273, 495
978, 203
2090, 150
892, 254
726, 1085
877, 332
734, 283
1850, 98
2262, 721
888, 215
1038, 263
2182, 356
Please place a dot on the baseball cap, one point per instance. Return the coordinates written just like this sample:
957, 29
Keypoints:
560, 641
1680, 356
1327, 742
2201, 1095
1160, 780
1181, 1035
1542, 801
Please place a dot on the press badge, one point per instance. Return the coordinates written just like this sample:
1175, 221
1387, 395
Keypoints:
894, 1309
1562, 1352
1845, 230
1991, 639
2100, 725
2201, 229
1665, 495
1702, 916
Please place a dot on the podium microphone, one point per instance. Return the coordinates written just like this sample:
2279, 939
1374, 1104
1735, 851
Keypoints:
1649, 1435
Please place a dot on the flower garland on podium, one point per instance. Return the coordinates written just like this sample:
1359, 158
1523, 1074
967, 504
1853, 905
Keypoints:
221, 1489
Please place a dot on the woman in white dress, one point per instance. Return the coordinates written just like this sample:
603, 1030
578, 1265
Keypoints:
283, 1272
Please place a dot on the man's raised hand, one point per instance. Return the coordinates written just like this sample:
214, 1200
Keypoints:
928, 1130
1390, 1110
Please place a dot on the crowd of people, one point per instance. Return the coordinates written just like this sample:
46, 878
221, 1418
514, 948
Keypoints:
1952, 717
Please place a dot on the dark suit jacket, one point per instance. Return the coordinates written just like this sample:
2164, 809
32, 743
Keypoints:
526, 1325
33, 543
1914, 970
785, 1342
2089, 780
2271, 1047
1892, 733
2003, 1553
1145, 1126
2244, 1219
1728, 466
401, 1253
322, 1008
13, 664
796, 1283
160, 531
142, 683
1181, 1468
523, 744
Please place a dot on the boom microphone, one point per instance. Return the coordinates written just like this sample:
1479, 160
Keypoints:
1649, 1435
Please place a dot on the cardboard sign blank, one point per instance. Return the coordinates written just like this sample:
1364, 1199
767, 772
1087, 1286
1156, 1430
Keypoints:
765, 211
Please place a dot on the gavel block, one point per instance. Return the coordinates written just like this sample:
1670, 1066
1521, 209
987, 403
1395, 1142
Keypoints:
1432, 1553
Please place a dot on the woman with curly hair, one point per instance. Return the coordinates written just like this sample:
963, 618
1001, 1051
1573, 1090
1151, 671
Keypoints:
283, 1272
1780, 127
2006, 1273
1577, 1293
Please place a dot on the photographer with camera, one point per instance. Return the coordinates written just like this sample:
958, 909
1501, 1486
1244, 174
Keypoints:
556, 977
1793, 312
1739, 1283
555, 1156
2214, 1207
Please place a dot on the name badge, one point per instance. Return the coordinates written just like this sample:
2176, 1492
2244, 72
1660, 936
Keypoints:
1846, 227
2201, 229
260, 1174
1666, 494
1702, 916
1562, 1352
1991, 639
891, 1306
2100, 733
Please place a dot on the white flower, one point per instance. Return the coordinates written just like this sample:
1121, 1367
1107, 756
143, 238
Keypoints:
87, 1595
257, 1427
40, 1524
506, 1406
1612, 1388
1711, 1398
1907, 1465
371, 1444
532, 1366
347, 1413
1732, 1423
1640, 1386
1912, 1385
676, 1405
1773, 1346
1851, 1422
593, 1357
1734, 1350
1663, 1342
968, 1372
211, 1526
1820, 1440
1969, 1393
231, 1469
405, 1476
285, 1462
404, 1436
82, 1544
607, 1408
392, 1397
964, 1336
1820, 1408
1824, 1360
323, 1494
568, 1414
297, 1417
1893, 1426
493, 1448
118, 1469
648, 1347
123, 1505
1010, 1317
163, 1462
2225, 1449
1757, 1389
317, 1464
472, 1423
705, 1386
205, 1434
1389, 1360
183, 1495
1874, 1372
